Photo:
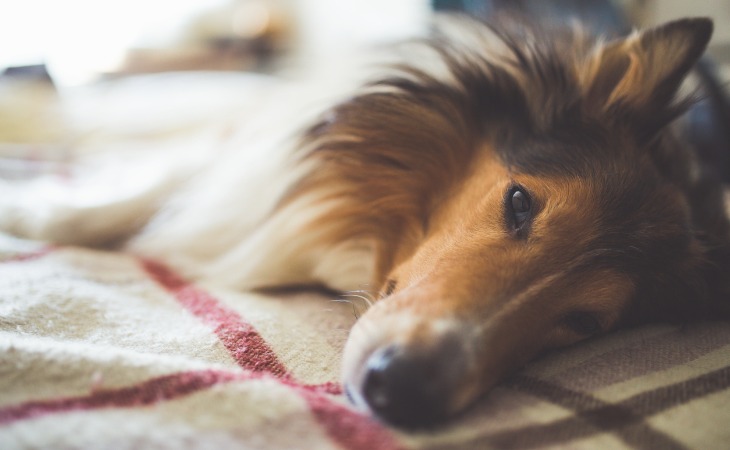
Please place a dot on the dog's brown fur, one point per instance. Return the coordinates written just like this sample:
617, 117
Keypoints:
623, 227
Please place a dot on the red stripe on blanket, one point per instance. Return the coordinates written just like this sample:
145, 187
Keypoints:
30, 256
158, 389
350, 429
245, 345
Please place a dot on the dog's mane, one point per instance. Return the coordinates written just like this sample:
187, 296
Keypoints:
385, 155
383, 159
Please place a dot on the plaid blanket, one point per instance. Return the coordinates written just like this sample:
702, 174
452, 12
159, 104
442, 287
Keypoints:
107, 350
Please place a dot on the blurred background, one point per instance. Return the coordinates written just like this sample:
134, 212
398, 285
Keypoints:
80, 40
78, 77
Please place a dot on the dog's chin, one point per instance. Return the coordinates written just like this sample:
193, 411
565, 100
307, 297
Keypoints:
418, 378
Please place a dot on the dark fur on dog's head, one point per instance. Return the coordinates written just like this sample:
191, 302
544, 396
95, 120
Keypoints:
525, 184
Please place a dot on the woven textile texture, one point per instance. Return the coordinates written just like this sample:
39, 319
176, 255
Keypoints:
105, 350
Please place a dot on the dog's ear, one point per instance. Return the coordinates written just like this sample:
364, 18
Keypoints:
639, 75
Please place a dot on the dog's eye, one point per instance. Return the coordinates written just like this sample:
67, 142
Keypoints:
519, 207
583, 323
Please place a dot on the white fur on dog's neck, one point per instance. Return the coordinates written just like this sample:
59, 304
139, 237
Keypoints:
223, 225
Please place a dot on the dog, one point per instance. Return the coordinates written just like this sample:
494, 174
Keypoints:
505, 189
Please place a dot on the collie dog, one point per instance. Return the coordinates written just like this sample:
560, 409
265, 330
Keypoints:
503, 190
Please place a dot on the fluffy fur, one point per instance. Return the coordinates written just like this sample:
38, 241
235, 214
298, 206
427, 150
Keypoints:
502, 190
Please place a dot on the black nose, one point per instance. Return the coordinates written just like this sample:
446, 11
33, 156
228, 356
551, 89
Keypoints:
410, 388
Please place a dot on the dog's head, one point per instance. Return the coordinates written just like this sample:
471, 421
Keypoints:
527, 197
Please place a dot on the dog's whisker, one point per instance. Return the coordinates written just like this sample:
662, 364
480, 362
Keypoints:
364, 292
368, 301
354, 306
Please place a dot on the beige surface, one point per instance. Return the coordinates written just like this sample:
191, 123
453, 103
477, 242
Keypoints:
103, 350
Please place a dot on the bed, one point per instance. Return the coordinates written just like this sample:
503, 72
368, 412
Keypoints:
106, 349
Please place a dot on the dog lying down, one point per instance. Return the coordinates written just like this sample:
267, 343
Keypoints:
505, 190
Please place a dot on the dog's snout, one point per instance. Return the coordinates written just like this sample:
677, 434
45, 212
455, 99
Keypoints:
409, 388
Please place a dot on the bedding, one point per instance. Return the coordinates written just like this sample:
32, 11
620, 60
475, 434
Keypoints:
103, 349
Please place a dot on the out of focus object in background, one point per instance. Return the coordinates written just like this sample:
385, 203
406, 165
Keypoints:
602, 16
238, 35
81, 40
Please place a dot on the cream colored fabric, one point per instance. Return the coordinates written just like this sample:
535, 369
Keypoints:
104, 350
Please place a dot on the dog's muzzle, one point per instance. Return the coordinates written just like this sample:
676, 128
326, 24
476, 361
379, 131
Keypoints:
410, 385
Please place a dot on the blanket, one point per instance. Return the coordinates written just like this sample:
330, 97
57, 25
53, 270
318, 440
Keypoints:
104, 349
